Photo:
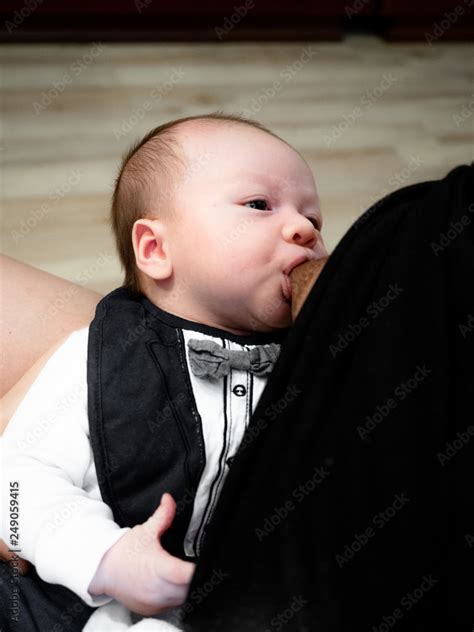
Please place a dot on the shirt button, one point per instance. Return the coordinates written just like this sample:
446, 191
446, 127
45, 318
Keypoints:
239, 390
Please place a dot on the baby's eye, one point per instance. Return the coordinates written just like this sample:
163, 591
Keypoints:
257, 202
315, 222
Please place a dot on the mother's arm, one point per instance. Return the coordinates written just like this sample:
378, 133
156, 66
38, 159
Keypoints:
38, 311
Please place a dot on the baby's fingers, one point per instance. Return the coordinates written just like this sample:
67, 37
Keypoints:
162, 517
174, 570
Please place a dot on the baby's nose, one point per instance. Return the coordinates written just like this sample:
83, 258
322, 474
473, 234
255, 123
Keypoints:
301, 232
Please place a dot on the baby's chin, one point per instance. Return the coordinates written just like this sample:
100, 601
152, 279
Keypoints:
271, 314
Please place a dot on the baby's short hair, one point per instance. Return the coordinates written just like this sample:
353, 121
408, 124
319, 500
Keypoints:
148, 176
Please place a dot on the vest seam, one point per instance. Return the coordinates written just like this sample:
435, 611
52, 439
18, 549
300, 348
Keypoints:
208, 511
194, 408
99, 425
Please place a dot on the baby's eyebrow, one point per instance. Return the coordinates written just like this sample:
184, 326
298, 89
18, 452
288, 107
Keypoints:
277, 184
311, 198
263, 177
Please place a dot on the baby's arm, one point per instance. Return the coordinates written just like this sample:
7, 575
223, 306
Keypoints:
65, 528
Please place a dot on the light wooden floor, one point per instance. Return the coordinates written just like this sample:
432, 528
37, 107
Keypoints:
369, 117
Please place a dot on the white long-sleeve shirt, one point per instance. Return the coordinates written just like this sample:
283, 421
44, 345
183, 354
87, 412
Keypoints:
65, 527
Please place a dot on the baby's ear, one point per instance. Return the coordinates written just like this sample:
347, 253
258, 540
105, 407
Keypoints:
150, 246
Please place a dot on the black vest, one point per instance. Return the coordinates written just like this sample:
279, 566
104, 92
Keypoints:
145, 428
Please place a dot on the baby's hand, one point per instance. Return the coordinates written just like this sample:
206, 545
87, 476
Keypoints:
139, 573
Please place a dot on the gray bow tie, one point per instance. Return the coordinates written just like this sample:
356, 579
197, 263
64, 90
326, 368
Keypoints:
208, 359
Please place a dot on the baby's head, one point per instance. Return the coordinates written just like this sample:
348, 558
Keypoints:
210, 213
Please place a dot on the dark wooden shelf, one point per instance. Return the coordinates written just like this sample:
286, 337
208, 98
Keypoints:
241, 20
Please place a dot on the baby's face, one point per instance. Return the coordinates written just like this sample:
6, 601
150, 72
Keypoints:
248, 210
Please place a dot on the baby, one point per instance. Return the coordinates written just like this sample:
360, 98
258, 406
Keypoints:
210, 214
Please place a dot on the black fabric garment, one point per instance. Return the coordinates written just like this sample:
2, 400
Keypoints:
29, 604
350, 503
